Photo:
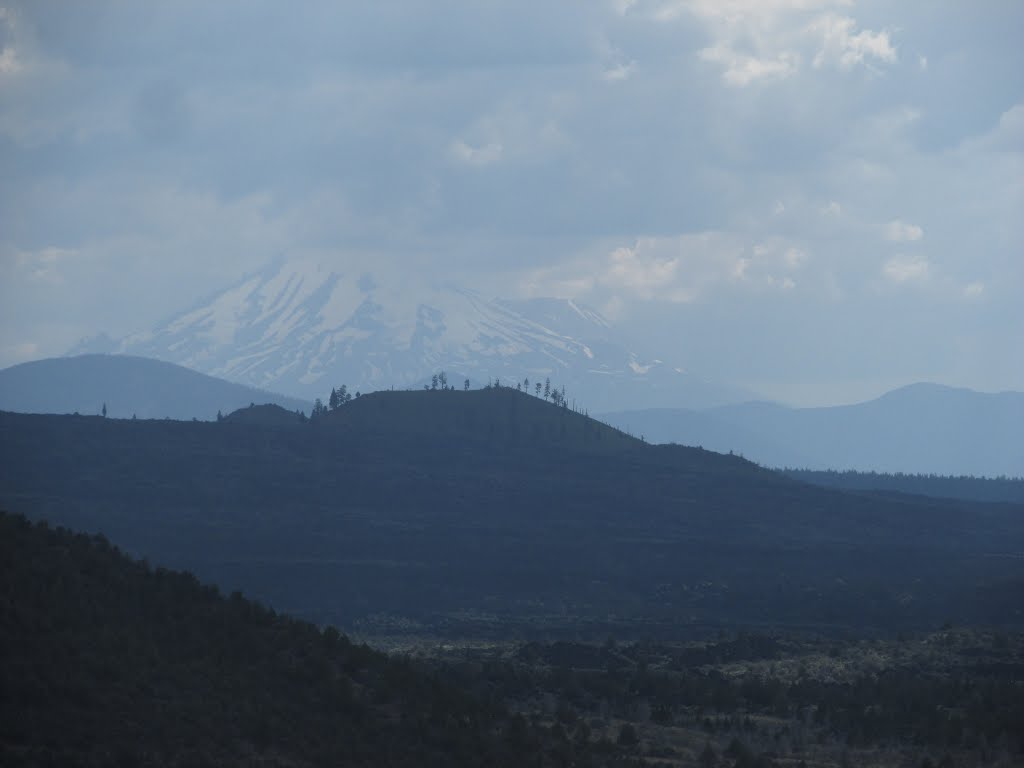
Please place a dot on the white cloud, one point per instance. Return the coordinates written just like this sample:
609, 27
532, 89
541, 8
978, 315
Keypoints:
901, 232
794, 257
974, 290
478, 156
845, 47
44, 265
902, 269
524, 145
678, 269
9, 63
767, 40
619, 72
741, 69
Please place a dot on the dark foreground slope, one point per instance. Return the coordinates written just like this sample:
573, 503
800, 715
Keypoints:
148, 389
106, 661
492, 509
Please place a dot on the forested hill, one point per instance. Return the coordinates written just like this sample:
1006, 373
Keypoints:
502, 416
107, 661
497, 511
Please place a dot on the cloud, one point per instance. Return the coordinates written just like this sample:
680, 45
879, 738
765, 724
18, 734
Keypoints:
974, 290
676, 161
845, 47
45, 264
904, 269
741, 70
678, 269
9, 63
901, 232
767, 40
478, 156
619, 72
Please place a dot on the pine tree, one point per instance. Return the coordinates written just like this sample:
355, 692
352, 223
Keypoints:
547, 388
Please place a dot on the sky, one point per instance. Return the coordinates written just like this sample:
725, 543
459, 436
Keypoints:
817, 200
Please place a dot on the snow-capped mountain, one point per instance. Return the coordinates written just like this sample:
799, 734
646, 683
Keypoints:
302, 329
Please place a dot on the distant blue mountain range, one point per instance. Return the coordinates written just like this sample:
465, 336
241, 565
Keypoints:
921, 428
129, 386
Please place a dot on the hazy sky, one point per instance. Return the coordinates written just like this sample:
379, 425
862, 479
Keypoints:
815, 199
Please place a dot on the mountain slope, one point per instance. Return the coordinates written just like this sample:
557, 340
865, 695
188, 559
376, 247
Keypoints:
447, 508
129, 386
299, 328
107, 661
922, 428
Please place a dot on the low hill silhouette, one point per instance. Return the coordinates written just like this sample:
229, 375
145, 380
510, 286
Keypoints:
475, 510
269, 415
500, 414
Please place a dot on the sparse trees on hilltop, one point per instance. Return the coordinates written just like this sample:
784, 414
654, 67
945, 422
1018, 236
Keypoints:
319, 409
339, 397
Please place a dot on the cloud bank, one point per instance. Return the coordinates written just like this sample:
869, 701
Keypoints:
725, 177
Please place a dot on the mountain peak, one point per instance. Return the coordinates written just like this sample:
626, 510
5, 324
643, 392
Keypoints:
301, 328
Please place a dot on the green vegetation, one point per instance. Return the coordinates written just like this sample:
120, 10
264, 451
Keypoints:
562, 593
106, 661
111, 661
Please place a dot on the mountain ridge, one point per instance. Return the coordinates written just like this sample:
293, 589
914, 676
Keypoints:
446, 507
923, 428
127, 386
301, 328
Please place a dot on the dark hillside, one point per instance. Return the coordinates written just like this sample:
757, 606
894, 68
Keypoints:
106, 661
470, 511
